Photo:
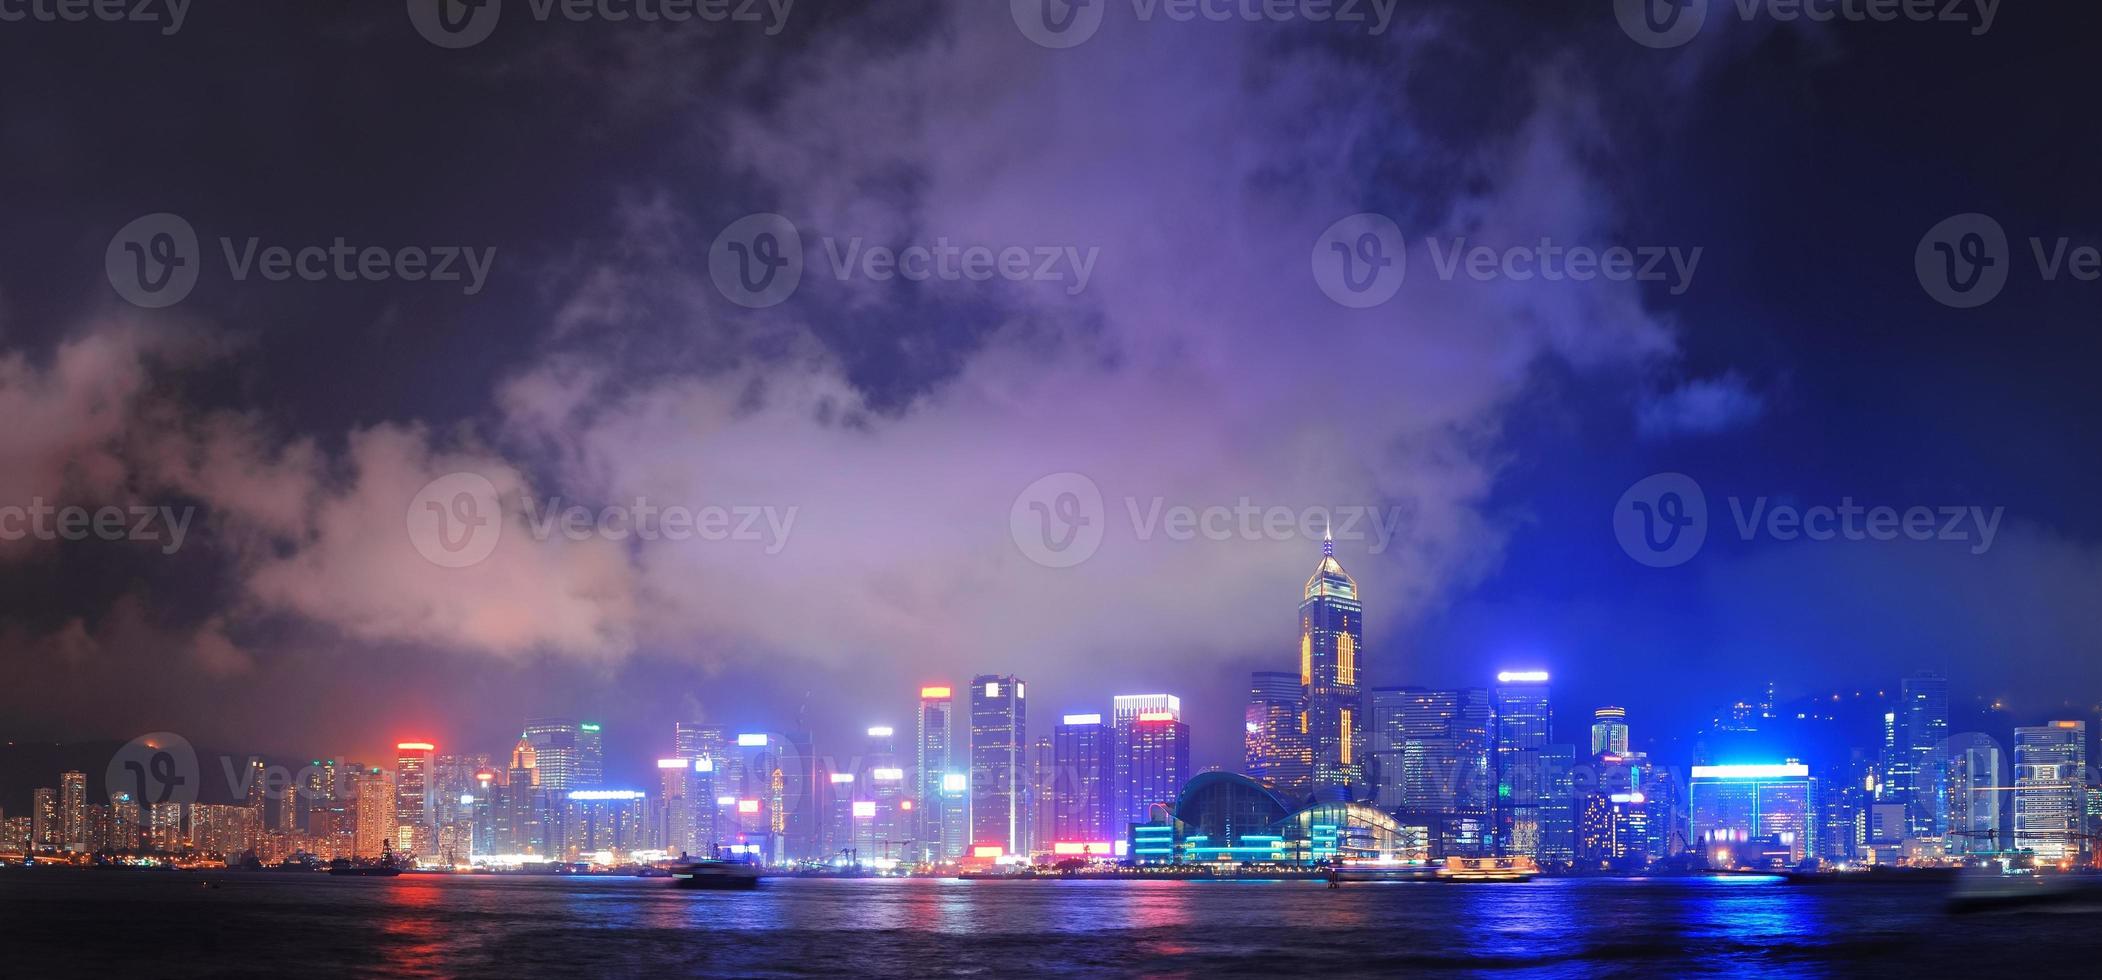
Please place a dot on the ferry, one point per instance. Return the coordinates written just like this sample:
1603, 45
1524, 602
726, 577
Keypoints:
715, 875
1489, 869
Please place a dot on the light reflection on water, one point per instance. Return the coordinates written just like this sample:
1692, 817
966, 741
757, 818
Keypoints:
501, 926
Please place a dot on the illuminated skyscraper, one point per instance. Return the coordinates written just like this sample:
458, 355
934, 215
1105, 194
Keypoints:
1159, 750
1523, 721
879, 815
941, 832
73, 810
606, 824
1275, 749
1924, 705
702, 747
692, 739
1609, 731
1754, 816
1434, 769
2050, 790
44, 818
674, 805
557, 752
1081, 787
375, 812
1978, 772
1331, 631
591, 756
999, 734
414, 816
1124, 713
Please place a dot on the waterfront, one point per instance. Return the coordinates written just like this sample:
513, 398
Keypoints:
257, 924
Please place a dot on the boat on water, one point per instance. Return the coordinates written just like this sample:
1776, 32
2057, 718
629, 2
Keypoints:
386, 867
1489, 869
1976, 893
715, 875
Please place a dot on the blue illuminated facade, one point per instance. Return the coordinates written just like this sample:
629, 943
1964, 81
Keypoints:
1228, 818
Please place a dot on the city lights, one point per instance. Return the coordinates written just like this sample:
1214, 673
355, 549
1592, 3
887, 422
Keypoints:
1522, 677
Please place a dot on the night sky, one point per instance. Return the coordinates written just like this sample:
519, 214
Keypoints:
1200, 165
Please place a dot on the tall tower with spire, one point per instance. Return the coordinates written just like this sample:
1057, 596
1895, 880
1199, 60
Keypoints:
1331, 632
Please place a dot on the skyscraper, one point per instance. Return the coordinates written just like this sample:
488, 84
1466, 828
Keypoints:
878, 815
1435, 769
999, 734
1080, 789
1977, 775
1609, 731
940, 832
1925, 707
702, 746
73, 810
1754, 815
1124, 712
414, 817
1523, 723
2050, 790
557, 752
375, 812
1331, 629
1275, 749
1159, 750
591, 756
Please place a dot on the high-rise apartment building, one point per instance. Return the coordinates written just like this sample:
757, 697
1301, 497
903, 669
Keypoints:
73, 811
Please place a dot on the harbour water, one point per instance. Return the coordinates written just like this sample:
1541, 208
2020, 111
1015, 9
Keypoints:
86, 923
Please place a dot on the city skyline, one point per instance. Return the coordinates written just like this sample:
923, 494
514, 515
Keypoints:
1429, 773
